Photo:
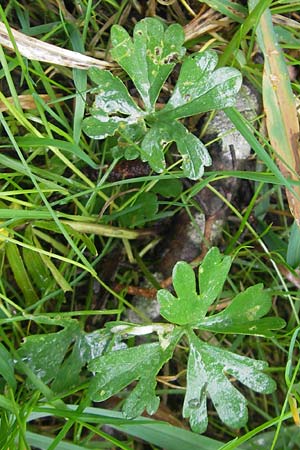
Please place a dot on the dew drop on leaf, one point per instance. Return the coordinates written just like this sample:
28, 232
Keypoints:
194, 403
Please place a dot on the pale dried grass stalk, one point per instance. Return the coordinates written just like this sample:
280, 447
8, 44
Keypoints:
26, 101
205, 23
35, 49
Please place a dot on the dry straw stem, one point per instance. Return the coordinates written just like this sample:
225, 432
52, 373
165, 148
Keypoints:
38, 50
280, 109
35, 49
204, 23
26, 101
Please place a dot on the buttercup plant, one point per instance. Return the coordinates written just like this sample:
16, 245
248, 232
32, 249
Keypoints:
114, 365
80, 238
146, 131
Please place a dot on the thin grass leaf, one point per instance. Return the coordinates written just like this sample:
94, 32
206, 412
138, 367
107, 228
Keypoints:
54, 243
56, 273
55, 104
8, 213
243, 30
44, 252
31, 175
248, 132
50, 179
158, 433
35, 141
9, 80
234, 11
5, 403
80, 81
293, 250
20, 273
43, 442
37, 270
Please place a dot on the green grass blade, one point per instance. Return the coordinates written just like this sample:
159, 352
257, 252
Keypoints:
20, 273
247, 132
44, 199
72, 148
249, 23
234, 11
293, 250
80, 81
162, 434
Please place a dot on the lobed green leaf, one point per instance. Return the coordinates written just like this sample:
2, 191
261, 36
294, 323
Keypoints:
243, 315
200, 88
190, 307
87, 346
112, 95
7, 367
117, 369
187, 308
150, 57
213, 272
194, 153
46, 354
101, 125
207, 371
